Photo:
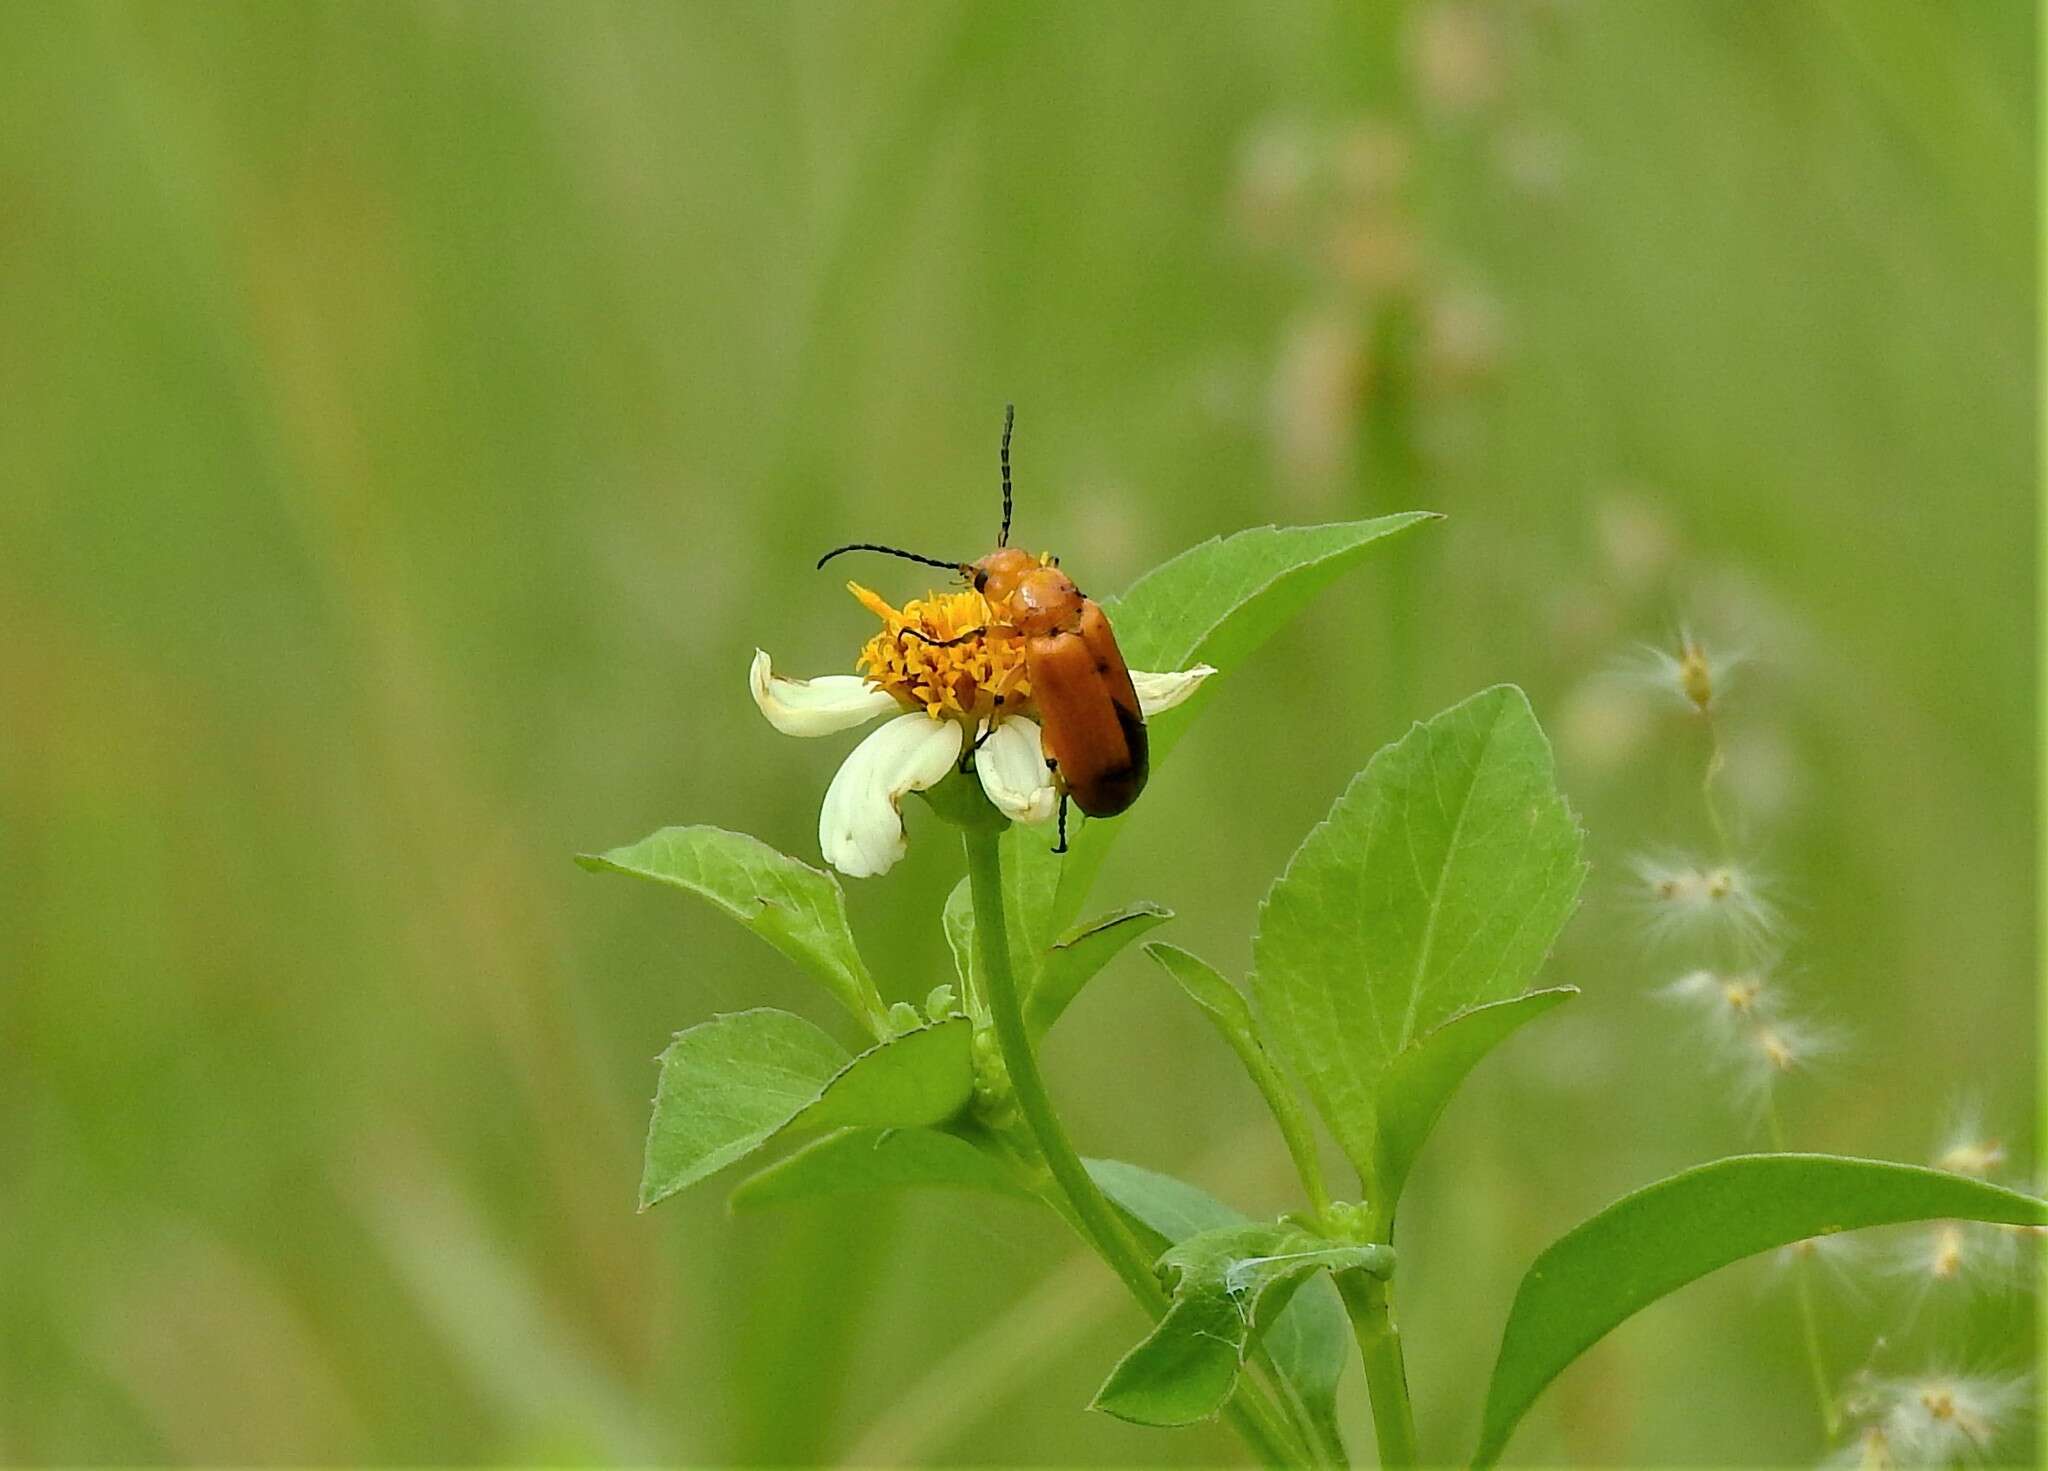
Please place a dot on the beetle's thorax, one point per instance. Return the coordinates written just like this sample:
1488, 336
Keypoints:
1045, 601
1027, 592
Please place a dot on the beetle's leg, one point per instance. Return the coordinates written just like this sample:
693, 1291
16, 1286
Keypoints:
943, 643
1061, 846
967, 756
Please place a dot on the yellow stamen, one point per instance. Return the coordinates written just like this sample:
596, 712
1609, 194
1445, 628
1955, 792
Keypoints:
977, 679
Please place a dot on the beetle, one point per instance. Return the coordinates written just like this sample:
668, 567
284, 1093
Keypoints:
1093, 727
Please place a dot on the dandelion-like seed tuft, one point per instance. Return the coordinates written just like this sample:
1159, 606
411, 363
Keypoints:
1941, 1418
1979, 1157
1752, 1032
1689, 671
1952, 1257
1683, 898
1966, 1148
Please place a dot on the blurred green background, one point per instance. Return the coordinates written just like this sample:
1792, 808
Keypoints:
412, 418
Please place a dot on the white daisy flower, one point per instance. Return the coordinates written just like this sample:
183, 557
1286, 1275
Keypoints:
956, 682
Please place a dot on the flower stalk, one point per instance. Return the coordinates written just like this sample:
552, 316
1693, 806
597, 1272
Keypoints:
1253, 1417
1386, 1371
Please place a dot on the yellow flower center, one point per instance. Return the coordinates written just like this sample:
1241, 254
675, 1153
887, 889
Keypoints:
916, 657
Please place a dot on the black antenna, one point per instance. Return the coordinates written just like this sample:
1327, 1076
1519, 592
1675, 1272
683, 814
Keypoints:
1009, 419
869, 546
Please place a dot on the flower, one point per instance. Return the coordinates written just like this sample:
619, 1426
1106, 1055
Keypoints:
956, 676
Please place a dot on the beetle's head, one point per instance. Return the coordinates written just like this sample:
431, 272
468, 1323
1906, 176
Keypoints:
997, 575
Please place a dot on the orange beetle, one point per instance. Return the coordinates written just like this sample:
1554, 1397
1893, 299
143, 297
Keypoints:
1093, 728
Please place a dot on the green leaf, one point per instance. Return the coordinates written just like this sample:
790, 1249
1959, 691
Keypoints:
1027, 909
1214, 603
1079, 955
1227, 1284
1226, 1007
1310, 1342
856, 1160
794, 907
1222, 1002
1167, 1209
1655, 1241
1437, 883
1421, 1078
726, 1086
925, 1076
731, 1085
1183, 1372
1029, 889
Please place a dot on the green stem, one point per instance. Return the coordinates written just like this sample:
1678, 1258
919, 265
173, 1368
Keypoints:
1717, 762
1386, 1373
1809, 1316
1250, 1414
1823, 1392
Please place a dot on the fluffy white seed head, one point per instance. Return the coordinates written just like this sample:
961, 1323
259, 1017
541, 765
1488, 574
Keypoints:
1687, 672
1966, 1147
1868, 1449
1939, 1419
1958, 1259
1749, 1030
1688, 898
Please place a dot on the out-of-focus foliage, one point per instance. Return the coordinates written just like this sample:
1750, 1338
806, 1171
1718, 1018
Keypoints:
412, 419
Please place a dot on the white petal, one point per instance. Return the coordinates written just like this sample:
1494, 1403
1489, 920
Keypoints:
1158, 692
1011, 763
815, 707
861, 826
